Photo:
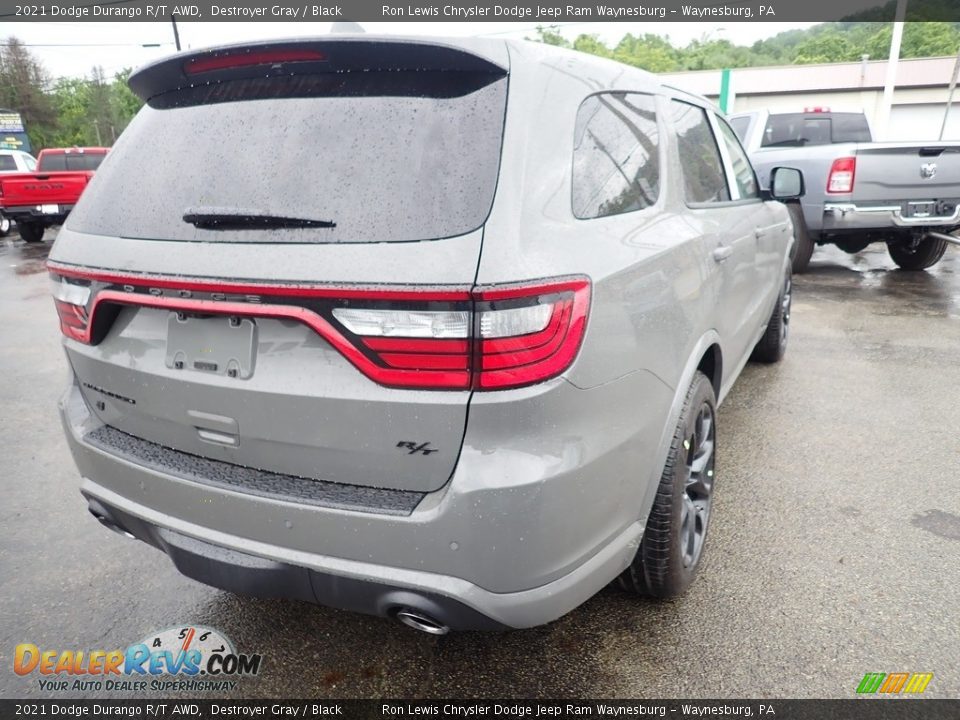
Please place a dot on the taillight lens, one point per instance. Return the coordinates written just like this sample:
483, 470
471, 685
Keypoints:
529, 334
490, 338
842, 173
71, 300
514, 336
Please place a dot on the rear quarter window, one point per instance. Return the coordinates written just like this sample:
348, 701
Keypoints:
616, 164
7, 163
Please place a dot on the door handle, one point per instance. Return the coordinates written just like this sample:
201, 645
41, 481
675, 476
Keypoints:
722, 253
757, 233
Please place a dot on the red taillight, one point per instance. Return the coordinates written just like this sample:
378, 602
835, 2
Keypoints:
517, 359
71, 301
842, 173
491, 338
816, 109
249, 59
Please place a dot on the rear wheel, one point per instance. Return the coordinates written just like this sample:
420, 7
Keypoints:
30, 232
803, 244
773, 344
925, 253
672, 546
4, 225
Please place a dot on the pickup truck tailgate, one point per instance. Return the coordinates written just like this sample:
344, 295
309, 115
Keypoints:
898, 172
58, 188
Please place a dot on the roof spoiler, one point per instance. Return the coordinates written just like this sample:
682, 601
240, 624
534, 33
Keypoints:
291, 58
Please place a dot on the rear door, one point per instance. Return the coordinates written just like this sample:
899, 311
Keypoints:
281, 248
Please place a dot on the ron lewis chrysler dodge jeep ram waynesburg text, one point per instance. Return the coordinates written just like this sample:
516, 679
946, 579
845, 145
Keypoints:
427, 330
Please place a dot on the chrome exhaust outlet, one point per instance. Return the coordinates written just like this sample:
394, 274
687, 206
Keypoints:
111, 525
943, 236
419, 621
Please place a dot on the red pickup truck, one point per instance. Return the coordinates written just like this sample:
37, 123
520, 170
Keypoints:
45, 197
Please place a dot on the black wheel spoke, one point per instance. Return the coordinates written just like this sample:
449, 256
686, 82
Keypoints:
695, 510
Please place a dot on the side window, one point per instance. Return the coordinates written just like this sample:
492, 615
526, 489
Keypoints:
31, 162
742, 169
703, 177
616, 162
740, 126
7, 163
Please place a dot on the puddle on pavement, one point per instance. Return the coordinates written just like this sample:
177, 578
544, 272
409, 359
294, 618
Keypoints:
871, 276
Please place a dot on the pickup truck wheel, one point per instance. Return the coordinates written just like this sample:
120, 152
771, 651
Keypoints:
669, 554
31, 232
4, 225
803, 244
927, 253
773, 344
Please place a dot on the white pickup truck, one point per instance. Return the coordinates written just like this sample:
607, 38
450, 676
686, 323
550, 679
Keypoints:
858, 191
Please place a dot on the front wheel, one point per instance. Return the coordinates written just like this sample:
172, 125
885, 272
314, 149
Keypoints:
772, 345
31, 232
803, 243
926, 253
669, 554
4, 225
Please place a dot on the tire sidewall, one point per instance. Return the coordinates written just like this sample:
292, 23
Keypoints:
678, 577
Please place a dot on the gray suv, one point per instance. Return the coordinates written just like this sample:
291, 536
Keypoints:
430, 330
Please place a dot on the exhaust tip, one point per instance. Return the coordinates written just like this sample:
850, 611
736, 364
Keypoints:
111, 525
420, 621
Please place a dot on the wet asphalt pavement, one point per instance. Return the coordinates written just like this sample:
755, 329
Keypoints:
834, 549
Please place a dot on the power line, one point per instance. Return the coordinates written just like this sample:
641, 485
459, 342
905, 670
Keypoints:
51, 45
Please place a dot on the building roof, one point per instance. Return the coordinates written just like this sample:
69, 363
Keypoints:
920, 72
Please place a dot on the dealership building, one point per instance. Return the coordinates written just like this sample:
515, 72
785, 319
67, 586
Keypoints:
919, 100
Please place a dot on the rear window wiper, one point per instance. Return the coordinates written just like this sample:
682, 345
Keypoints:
209, 218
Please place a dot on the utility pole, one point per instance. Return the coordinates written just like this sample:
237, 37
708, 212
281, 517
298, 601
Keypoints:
953, 86
176, 33
884, 118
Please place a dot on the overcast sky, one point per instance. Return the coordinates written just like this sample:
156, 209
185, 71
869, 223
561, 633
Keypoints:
73, 48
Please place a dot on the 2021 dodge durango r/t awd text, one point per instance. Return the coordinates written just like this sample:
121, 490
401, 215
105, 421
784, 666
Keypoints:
427, 330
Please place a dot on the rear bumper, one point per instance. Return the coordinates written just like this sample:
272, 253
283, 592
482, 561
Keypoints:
34, 213
840, 217
515, 540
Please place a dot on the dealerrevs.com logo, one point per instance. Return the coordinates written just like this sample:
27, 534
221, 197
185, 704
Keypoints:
190, 658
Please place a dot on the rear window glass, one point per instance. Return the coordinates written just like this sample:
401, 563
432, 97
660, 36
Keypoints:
380, 168
801, 129
7, 163
59, 162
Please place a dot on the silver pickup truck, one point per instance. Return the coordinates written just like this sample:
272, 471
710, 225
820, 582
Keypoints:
857, 191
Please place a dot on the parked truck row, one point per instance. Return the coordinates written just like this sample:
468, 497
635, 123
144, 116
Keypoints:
858, 192
41, 193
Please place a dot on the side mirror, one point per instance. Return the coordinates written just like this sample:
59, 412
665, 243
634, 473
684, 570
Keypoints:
786, 183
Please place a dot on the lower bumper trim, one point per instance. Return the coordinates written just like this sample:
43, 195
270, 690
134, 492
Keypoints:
245, 574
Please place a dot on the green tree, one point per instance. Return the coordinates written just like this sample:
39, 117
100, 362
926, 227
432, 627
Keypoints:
23, 88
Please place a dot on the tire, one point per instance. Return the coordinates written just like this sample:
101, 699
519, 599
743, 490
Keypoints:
803, 244
4, 225
926, 254
672, 547
31, 232
772, 346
